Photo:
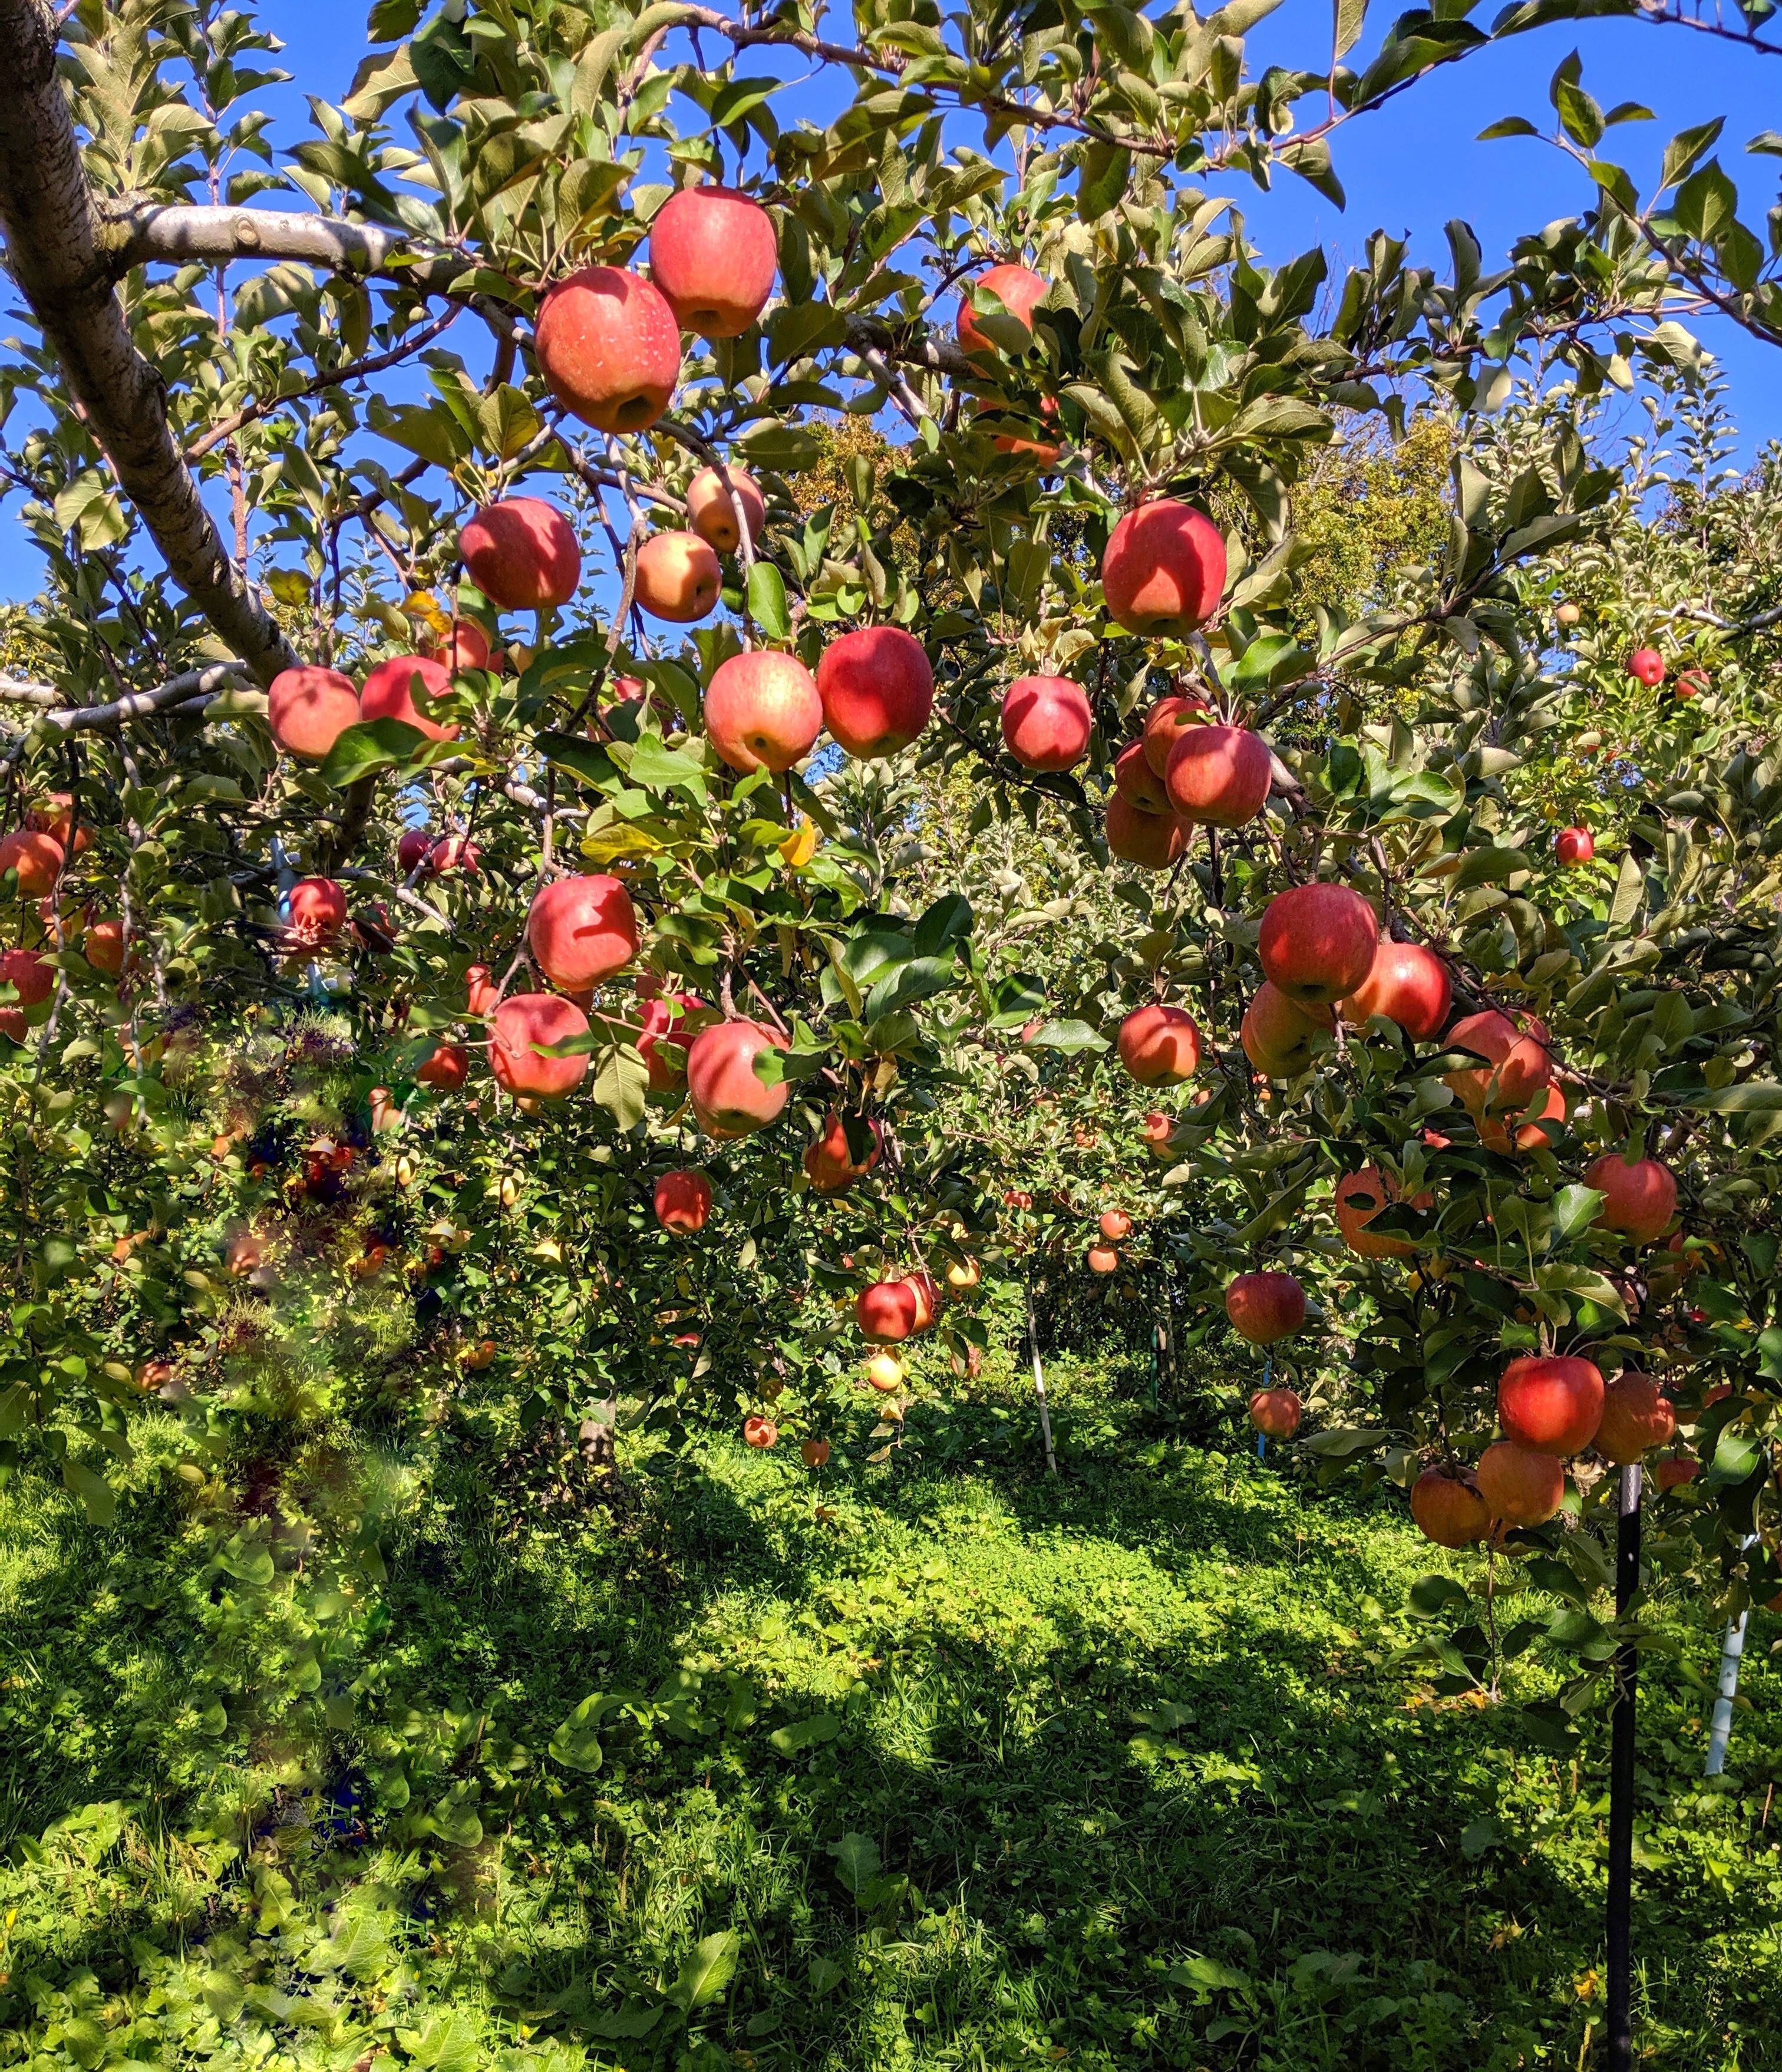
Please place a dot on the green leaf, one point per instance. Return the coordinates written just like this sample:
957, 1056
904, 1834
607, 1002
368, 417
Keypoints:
857, 1862
1510, 125
1101, 185
707, 1972
95, 1494
659, 768
1686, 150
920, 978
1744, 1097
767, 600
1432, 1595
825, 1975
1350, 14
1630, 889
622, 1085
1069, 1037
801, 1734
377, 744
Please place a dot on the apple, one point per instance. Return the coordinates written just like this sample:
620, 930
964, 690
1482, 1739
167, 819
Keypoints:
309, 708
989, 412
54, 816
1573, 846
886, 1312
962, 1276
1692, 684
1163, 569
678, 577
1046, 721
1135, 780
36, 856
1164, 725
1276, 1412
1550, 1404
1115, 1224
1675, 1470
712, 509
829, 1163
712, 254
1019, 289
465, 646
927, 1292
1521, 1064
1569, 614
1218, 774
522, 554
1156, 1130
453, 853
480, 988
446, 1067
389, 693
1520, 1486
663, 1040
1160, 1045
1640, 1196
102, 945
878, 689
729, 1098
1318, 942
413, 850
758, 1431
1265, 1307
1276, 1032
609, 347
1408, 984
1637, 1416
1153, 841
526, 1019
815, 1452
581, 930
1448, 1509
1646, 665
1529, 1136
1360, 1196
1103, 1258
386, 1112
683, 1202
884, 1372
762, 711
32, 979
317, 910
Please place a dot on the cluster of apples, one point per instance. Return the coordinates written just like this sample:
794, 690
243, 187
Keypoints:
1114, 1227
33, 858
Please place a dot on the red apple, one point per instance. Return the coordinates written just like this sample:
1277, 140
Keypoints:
1676, 1469
309, 708
1276, 1412
815, 1452
712, 509
1573, 845
1529, 1136
1218, 774
1276, 1032
609, 348
1360, 1196
1550, 1404
480, 986
1569, 614
446, 1067
1647, 665
762, 711
389, 693
878, 689
32, 979
581, 930
1692, 684
1019, 289
36, 857
990, 413
522, 554
1519, 1486
1160, 1045
465, 646
1448, 1509
1114, 1225
1136, 779
683, 1202
678, 578
1164, 570
1156, 1130
1046, 721
1152, 840
886, 1312
1103, 1258
318, 910
662, 1041
729, 1098
54, 816
927, 1292
1407, 984
758, 1431
1640, 1198
1519, 1065
523, 1020
1265, 1307
1637, 1416
1164, 725
102, 945
712, 254
828, 1162
1317, 943
453, 853
412, 851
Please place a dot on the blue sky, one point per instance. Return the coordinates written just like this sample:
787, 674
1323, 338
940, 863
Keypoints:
1408, 168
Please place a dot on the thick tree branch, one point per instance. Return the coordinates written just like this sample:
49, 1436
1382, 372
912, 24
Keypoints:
53, 253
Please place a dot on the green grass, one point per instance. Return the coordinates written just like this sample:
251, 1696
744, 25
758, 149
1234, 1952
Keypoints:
979, 1770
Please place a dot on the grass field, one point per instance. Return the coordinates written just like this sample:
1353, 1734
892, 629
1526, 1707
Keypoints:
942, 1765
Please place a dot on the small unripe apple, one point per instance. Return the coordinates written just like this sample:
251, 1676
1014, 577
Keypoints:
683, 1202
1163, 569
878, 689
523, 1020
1019, 289
1318, 942
713, 256
309, 708
1218, 775
763, 710
522, 554
609, 348
581, 930
392, 688
678, 577
1160, 1045
712, 509
1046, 721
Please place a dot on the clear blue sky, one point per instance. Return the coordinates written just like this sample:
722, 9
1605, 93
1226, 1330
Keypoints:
1407, 169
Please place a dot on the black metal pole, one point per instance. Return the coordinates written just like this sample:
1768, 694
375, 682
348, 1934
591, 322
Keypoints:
1627, 1672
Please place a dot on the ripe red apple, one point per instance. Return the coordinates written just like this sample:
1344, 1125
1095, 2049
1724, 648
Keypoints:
1318, 942
465, 646
1692, 684
683, 1202
1218, 774
991, 413
480, 987
711, 510
815, 1452
54, 816
1519, 1486
1448, 1509
412, 851
1019, 289
1276, 1032
1164, 725
309, 708
453, 853
609, 348
1276, 1412
1265, 1307
1550, 1404
878, 689
446, 1067
927, 1292
36, 857
758, 1431
828, 1162
678, 578
1103, 1258
102, 945
1637, 1415
1529, 1136
32, 979
1646, 666
1156, 1130
1408, 984
1569, 614
1160, 1045
663, 1038
1573, 845
886, 1312
1046, 721
1163, 569
1134, 779
729, 1097
1153, 841
581, 930
1360, 1196
522, 554
1519, 1065
1676, 1469
524, 1019
318, 911
712, 254
763, 710
389, 693
1640, 1198
1115, 1224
